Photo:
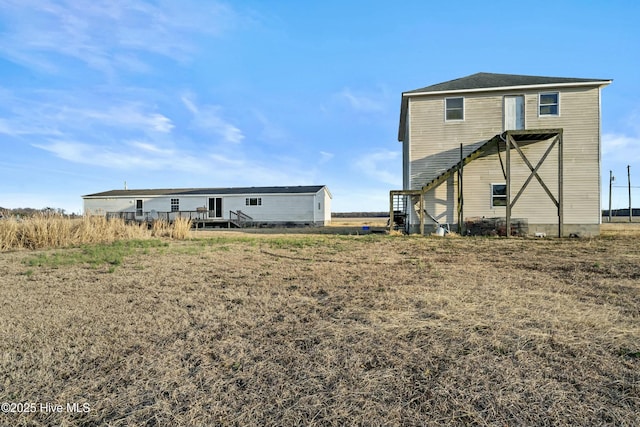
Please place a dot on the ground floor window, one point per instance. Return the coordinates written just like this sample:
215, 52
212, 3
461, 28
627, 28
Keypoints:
498, 195
175, 205
253, 201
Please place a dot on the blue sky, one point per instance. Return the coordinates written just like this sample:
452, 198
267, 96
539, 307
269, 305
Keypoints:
192, 93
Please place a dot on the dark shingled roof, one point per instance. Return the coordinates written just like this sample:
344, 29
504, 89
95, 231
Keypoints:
205, 191
492, 80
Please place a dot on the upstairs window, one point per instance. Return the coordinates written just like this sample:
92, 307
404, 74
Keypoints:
454, 108
175, 205
253, 201
549, 104
498, 195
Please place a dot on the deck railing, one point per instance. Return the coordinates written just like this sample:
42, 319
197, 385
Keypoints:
155, 215
238, 217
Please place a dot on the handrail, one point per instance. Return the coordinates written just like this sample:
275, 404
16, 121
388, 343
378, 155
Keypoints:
240, 217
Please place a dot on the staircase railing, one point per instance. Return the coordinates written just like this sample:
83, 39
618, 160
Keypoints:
240, 218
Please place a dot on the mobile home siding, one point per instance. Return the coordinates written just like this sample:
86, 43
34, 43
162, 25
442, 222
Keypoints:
434, 146
307, 208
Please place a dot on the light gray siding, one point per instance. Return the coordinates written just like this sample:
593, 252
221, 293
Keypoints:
313, 208
434, 146
323, 206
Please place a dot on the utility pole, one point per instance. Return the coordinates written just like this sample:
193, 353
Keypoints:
629, 180
611, 179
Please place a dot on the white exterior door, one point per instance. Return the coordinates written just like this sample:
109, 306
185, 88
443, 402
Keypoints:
514, 112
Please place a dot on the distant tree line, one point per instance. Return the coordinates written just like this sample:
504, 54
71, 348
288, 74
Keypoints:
621, 212
29, 212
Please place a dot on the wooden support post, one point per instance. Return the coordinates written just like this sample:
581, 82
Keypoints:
560, 185
421, 213
629, 183
460, 194
508, 167
391, 219
610, 186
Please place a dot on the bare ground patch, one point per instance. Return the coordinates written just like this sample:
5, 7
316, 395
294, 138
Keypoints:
328, 330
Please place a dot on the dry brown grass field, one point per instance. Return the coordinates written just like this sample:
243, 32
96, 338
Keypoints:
351, 222
240, 329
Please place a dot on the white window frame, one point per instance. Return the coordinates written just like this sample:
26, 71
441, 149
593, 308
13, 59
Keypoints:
175, 205
248, 201
491, 195
463, 108
557, 104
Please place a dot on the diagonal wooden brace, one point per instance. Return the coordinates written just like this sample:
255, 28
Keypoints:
534, 171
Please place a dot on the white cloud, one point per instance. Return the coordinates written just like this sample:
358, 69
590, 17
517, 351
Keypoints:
362, 103
209, 118
145, 146
126, 115
96, 32
138, 155
381, 165
224, 160
325, 156
270, 131
633, 121
612, 142
62, 113
233, 169
51, 115
622, 148
24, 127
191, 106
72, 151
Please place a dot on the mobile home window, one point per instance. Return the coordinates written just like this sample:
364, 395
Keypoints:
253, 201
175, 205
549, 104
454, 108
498, 195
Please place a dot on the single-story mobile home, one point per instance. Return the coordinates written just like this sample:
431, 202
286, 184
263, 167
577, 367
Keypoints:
297, 205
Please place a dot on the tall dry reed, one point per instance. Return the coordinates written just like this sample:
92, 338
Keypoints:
178, 229
56, 231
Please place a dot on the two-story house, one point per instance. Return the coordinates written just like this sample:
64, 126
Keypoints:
502, 146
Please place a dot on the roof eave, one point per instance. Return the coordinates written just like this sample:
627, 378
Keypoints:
600, 83
180, 192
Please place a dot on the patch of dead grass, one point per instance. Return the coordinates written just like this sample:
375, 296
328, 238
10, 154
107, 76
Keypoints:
330, 330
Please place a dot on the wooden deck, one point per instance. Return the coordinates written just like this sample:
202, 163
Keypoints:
200, 219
